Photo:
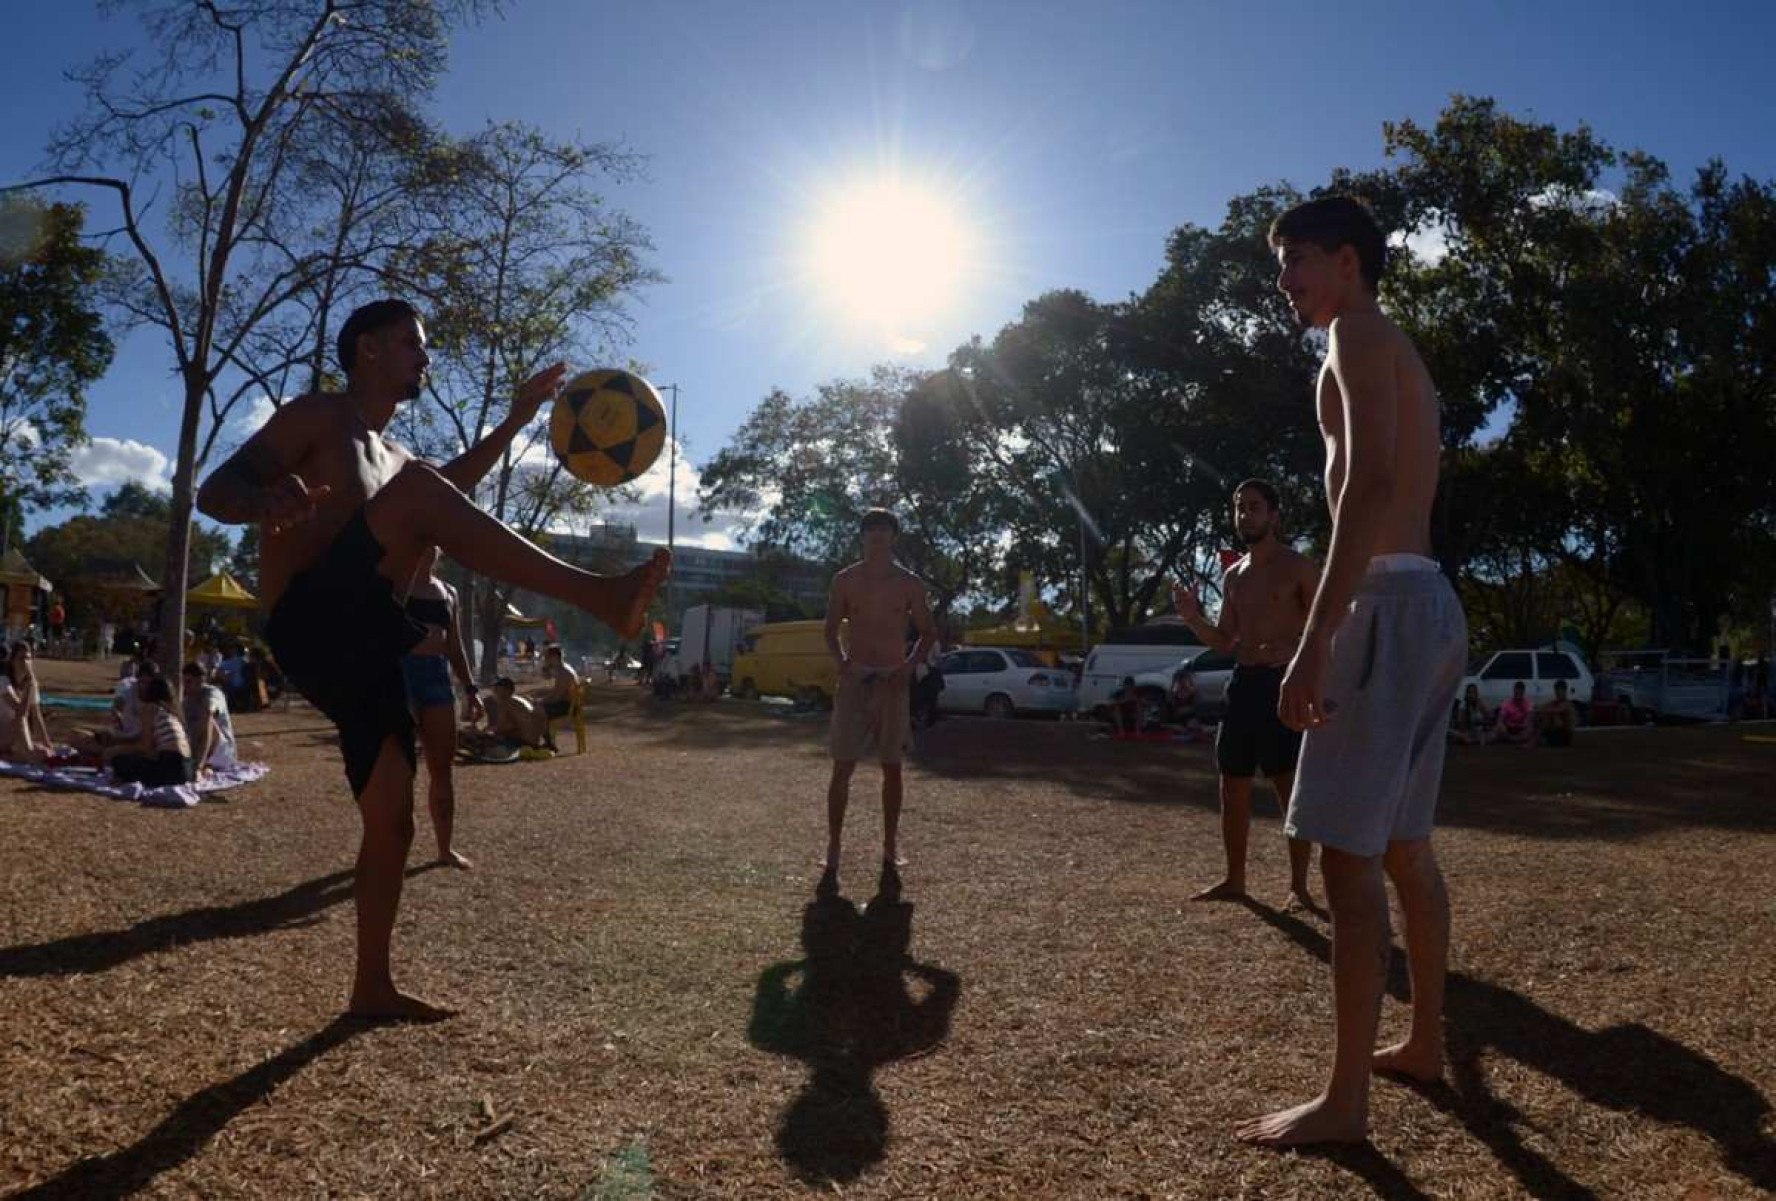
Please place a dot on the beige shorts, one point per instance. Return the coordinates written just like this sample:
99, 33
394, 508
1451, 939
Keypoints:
870, 720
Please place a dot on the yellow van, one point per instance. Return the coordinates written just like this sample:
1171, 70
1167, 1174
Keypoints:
786, 658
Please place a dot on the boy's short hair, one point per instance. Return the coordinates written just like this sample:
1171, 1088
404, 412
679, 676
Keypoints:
879, 517
1262, 489
505, 682
368, 319
155, 690
552, 648
192, 669
1333, 221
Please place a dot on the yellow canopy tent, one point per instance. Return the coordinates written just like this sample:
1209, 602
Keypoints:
1045, 640
222, 591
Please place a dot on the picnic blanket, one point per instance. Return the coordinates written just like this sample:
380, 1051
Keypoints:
171, 796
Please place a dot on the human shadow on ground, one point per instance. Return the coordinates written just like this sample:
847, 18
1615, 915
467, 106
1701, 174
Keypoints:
184, 1132
81, 954
855, 1002
1629, 1068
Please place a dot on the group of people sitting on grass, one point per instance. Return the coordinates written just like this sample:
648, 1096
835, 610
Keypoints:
1517, 722
247, 675
156, 740
516, 721
1129, 717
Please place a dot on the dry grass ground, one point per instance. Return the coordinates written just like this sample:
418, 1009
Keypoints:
651, 1007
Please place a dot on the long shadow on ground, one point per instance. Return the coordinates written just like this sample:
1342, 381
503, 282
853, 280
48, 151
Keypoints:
847, 1009
191, 1125
81, 954
1629, 1068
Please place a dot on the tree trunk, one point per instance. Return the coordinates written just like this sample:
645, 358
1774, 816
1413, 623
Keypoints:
174, 576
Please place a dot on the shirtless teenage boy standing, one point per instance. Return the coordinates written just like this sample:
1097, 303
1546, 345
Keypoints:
871, 716
1383, 651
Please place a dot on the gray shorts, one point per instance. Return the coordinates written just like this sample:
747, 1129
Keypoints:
1371, 774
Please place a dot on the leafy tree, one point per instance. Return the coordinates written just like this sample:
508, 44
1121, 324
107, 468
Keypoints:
52, 345
230, 95
523, 264
131, 529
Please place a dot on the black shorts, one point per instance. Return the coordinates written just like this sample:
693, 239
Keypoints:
338, 634
1252, 737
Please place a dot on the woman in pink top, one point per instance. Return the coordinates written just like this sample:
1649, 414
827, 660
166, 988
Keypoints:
1516, 718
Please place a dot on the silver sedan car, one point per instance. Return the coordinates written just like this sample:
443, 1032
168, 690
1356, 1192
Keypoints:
1002, 682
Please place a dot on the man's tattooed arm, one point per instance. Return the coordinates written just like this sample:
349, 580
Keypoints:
239, 491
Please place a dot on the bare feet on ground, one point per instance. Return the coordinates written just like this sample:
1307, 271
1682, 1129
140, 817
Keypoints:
624, 605
1227, 890
392, 1005
1302, 900
455, 859
1423, 1064
1316, 1121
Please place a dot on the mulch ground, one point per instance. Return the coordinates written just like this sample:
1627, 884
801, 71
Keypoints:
654, 1007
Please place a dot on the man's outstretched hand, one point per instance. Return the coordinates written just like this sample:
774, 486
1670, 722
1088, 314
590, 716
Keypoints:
538, 388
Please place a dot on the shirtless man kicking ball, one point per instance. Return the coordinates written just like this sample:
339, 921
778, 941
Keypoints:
871, 715
1384, 649
347, 515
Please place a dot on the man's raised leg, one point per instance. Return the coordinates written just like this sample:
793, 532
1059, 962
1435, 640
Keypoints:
1358, 896
419, 508
1236, 824
386, 808
1424, 901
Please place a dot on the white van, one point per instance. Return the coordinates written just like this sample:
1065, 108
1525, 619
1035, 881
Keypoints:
1157, 646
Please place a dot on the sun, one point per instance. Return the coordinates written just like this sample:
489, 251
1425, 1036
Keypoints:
890, 255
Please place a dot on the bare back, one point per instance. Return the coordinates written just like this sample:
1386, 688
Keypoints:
877, 604
321, 438
1416, 449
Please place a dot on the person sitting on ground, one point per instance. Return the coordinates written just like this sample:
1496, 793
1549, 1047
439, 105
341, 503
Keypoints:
21, 673
1125, 707
564, 682
514, 719
1556, 720
271, 680
1470, 723
1183, 703
16, 745
208, 723
161, 753
126, 706
1516, 719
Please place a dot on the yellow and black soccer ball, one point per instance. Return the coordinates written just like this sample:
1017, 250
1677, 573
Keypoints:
608, 427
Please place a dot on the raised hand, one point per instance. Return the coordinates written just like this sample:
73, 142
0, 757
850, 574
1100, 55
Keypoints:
1187, 600
538, 388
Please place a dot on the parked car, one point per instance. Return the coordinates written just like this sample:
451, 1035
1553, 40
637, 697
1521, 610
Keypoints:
1538, 669
1002, 682
1212, 669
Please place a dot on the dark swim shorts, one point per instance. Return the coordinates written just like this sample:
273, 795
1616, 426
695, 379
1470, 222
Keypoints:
1252, 736
339, 635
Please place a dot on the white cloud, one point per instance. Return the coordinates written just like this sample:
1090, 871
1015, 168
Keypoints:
1429, 243
251, 418
648, 515
1591, 202
107, 462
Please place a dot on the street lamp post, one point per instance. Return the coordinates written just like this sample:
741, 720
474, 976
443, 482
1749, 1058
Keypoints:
671, 489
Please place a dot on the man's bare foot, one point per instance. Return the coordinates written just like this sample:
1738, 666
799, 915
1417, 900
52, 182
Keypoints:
1421, 1063
1316, 1121
1227, 890
829, 882
455, 859
626, 612
1302, 900
394, 1006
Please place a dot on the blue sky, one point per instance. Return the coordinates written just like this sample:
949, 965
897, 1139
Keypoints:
1066, 139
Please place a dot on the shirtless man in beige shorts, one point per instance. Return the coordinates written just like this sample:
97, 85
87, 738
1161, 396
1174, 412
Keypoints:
871, 719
